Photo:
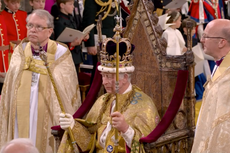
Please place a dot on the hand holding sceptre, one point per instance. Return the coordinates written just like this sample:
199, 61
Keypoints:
43, 56
117, 38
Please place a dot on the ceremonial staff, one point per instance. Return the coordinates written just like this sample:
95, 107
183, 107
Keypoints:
117, 37
43, 56
99, 34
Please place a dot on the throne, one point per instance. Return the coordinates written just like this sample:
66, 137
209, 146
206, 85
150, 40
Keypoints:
157, 75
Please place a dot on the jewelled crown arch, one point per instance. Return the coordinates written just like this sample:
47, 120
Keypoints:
108, 56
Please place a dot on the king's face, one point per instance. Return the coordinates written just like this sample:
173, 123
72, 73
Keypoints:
108, 80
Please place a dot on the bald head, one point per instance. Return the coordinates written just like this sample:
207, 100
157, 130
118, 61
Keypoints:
220, 27
216, 38
20, 145
16, 148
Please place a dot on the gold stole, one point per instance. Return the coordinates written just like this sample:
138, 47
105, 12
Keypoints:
110, 142
223, 66
124, 101
23, 94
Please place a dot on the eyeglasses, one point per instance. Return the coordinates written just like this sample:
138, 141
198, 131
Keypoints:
37, 27
204, 36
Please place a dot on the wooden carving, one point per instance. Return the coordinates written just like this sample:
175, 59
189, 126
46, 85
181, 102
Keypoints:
156, 74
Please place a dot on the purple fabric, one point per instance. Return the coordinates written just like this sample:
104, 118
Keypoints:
91, 96
49, 4
171, 112
128, 150
219, 62
37, 54
111, 48
84, 78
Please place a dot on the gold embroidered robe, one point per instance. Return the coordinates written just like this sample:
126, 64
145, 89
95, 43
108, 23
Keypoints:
15, 98
212, 133
138, 109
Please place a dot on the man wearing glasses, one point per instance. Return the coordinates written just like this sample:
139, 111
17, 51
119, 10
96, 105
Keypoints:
212, 130
29, 106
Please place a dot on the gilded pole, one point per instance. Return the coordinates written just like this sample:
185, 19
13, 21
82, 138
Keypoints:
99, 34
117, 38
43, 56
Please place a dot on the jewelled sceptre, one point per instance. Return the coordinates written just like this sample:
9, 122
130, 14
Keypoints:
43, 56
117, 38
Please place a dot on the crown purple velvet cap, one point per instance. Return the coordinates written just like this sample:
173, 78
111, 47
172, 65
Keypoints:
108, 56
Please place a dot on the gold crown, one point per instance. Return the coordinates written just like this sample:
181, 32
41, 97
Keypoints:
108, 56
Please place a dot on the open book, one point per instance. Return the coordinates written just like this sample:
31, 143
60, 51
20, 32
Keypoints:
69, 34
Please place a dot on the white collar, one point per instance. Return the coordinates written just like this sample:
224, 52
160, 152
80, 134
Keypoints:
128, 89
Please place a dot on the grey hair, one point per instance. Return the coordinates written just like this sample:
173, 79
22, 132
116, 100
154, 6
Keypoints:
44, 15
121, 75
26, 143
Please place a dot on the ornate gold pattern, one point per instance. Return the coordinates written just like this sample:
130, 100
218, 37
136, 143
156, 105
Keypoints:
144, 13
139, 104
142, 25
110, 61
107, 7
108, 98
61, 68
35, 65
221, 119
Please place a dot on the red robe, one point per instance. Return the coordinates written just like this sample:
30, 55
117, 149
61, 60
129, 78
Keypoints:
16, 24
208, 12
3, 42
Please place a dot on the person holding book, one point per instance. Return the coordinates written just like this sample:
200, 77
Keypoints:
37, 4
77, 12
66, 19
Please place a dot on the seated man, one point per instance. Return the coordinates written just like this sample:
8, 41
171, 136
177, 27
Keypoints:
135, 117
